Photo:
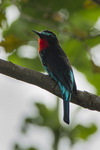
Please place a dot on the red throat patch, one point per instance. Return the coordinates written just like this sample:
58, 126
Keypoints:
43, 44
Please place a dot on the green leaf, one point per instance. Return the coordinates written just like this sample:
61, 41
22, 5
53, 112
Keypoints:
94, 79
49, 116
2, 17
82, 132
25, 62
31, 148
11, 43
5, 4
85, 18
77, 54
18, 147
93, 41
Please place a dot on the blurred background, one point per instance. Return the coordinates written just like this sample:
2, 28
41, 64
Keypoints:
30, 117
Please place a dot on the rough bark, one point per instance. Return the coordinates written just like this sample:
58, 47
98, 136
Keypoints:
83, 98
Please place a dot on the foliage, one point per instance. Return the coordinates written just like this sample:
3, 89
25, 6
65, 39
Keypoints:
17, 147
49, 118
74, 23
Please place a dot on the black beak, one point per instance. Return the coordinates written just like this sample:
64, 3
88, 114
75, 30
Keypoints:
38, 33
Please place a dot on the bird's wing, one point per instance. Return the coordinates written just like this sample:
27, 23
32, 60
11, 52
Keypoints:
61, 70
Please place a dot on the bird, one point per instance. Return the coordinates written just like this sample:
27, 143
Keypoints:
57, 65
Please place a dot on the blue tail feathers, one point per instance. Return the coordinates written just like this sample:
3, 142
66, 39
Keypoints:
66, 95
66, 107
66, 111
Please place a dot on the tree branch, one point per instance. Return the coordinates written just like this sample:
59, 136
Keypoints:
84, 99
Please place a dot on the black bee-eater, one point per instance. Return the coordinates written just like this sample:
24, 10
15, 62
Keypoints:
57, 65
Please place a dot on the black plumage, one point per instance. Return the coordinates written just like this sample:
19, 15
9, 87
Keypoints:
56, 63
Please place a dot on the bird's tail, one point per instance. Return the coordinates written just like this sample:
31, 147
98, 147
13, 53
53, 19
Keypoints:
66, 107
66, 95
66, 111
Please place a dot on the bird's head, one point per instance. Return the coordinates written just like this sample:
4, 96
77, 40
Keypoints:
46, 38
